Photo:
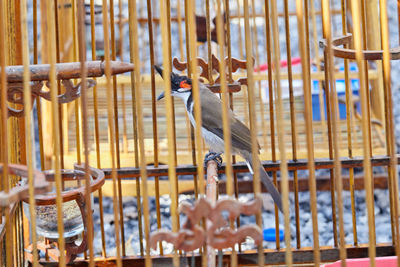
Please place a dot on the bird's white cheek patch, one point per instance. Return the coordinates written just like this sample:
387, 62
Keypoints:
181, 90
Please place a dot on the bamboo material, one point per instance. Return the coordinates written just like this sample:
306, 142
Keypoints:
28, 128
365, 132
292, 121
334, 118
225, 120
116, 124
154, 112
271, 106
85, 134
5, 134
169, 108
48, 25
281, 132
60, 108
390, 130
96, 130
135, 54
111, 132
257, 62
309, 128
253, 125
191, 56
350, 125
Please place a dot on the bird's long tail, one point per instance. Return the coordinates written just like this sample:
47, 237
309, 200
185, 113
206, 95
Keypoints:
268, 184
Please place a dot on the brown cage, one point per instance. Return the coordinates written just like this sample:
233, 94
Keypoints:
96, 172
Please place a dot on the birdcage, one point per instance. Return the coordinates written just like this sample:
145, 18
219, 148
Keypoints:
99, 171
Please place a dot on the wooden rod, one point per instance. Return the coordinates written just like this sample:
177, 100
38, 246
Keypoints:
111, 130
191, 33
271, 104
135, 50
96, 130
334, 118
390, 129
48, 45
225, 119
257, 61
365, 132
309, 131
253, 122
28, 128
153, 109
292, 121
170, 134
116, 124
85, 130
281, 134
349, 124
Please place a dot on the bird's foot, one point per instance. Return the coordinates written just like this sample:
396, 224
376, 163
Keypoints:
213, 156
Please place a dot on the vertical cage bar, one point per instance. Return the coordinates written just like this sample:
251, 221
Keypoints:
57, 5
111, 140
167, 89
292, 121
330, 142
154, 113
271, 106
334, 118
48, 45
96, 129
390, 132
85, 130
309, 131
225, 119
38, 103
4, 134
350, 125
281, 135
136, 154
355, 8
253, 124
134, 49
116, 126
257, 61
192, 54
28, 128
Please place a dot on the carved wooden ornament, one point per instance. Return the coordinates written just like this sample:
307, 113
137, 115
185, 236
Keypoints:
218, 235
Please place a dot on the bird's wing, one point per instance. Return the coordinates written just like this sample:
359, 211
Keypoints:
212, 121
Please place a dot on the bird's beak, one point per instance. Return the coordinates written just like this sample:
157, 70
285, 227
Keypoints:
161, 96
160, 71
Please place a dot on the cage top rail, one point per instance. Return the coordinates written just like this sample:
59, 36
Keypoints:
351, 53
66, 71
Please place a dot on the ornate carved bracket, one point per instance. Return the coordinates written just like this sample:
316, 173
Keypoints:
233, 86
351, 53
20, 192
40, 75
218, 235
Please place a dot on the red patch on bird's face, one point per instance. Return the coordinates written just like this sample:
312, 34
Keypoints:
184, 84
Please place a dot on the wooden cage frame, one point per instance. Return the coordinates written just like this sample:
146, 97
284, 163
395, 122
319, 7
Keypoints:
67, 112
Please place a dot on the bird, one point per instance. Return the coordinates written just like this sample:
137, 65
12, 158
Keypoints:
211, 126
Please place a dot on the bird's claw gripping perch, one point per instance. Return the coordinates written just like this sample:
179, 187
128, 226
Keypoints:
213, 156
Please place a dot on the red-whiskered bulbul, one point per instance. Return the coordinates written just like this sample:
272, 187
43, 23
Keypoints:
212, 130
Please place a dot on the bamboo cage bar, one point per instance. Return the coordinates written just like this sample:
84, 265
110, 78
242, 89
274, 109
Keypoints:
336, 138
111, 133
312, 80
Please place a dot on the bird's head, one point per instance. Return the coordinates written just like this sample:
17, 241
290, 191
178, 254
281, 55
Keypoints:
180, 85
